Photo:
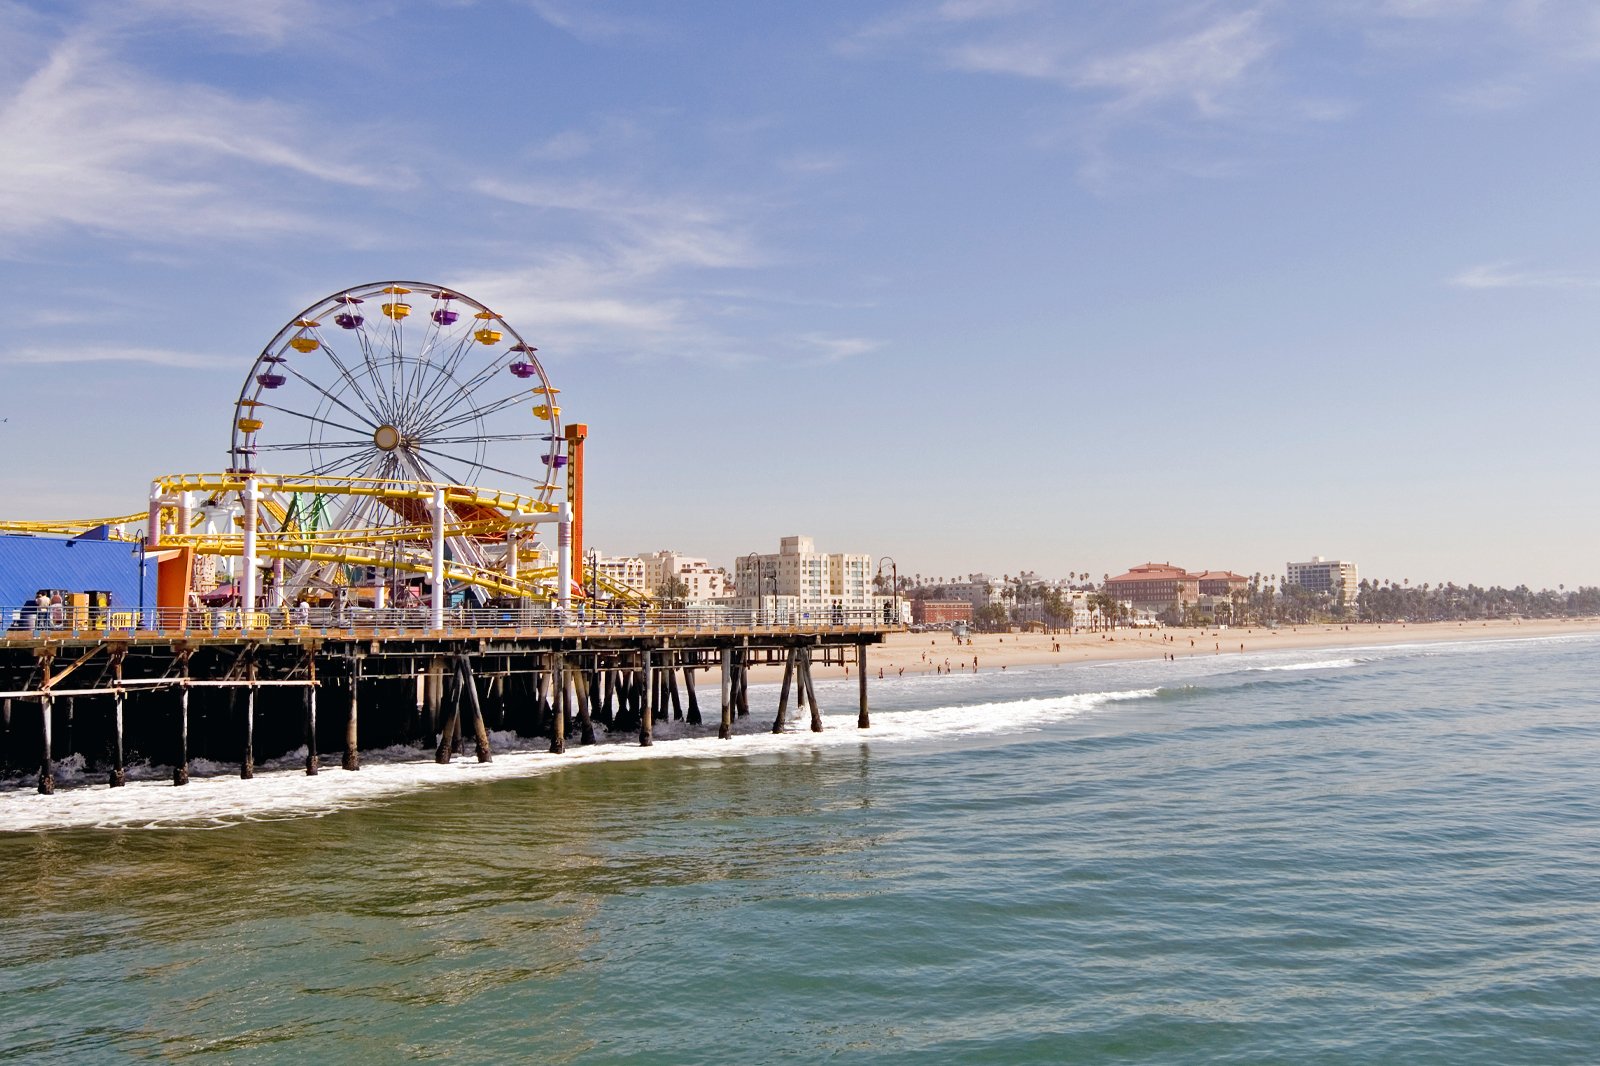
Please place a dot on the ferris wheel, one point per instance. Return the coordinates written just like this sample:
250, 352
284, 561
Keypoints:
400, 381
381, 388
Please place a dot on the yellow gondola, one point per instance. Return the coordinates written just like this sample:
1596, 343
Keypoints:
545, 411
397, 311
488, 336
250, 425
305, 344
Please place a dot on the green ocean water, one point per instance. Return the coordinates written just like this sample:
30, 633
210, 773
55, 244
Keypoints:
1374, 856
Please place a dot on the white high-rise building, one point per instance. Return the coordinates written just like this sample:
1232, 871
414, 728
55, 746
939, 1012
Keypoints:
1324, 575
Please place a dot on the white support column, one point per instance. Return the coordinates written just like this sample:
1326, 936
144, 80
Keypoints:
564, 557
181, 522
247, 586
152, 535
438, 558
512, 549
277, 583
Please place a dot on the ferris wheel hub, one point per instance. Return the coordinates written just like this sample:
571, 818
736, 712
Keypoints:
386, 437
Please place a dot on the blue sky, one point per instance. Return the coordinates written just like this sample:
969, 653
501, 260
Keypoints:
980, 284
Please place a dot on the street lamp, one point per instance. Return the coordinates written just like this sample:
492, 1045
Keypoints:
144, 540
894, 587
753, 562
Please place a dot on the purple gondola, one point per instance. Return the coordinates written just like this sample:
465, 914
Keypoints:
271, 381
446, 317
554, 460
345, 320
524, 370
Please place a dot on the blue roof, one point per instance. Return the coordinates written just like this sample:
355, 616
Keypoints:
28, 564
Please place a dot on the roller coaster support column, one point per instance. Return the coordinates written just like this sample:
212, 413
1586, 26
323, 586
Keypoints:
437, 620
564, 557
247, 585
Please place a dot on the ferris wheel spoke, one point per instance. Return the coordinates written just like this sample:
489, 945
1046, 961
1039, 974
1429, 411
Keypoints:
349, 378
332, 398
472, 463
315, 445
484, 437
337, 465
313, 418
443, 375
477, 412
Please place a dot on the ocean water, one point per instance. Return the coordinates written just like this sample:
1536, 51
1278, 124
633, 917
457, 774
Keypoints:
1382, 855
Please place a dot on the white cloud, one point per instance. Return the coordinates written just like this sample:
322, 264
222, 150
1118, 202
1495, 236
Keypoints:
94, 144
1200, 67
268, 21
829, 349
1507, 276
93, 353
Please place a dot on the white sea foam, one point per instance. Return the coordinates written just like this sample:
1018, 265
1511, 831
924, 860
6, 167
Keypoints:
216, 798
1325, 664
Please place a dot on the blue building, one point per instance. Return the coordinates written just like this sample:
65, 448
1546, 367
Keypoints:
90, 563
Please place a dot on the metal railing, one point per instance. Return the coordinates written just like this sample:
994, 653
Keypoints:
30, 623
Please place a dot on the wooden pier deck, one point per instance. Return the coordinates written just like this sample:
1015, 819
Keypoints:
190, 688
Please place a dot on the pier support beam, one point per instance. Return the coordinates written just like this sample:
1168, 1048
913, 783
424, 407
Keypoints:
811, 690
783, 694
352, 753
47, 764
447, 728
863, 720
247, 763
313, 761
480, 733
119, 769
558, 716
180, 768
725, 730
647, 722
693, 716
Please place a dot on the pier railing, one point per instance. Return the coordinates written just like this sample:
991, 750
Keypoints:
30, 624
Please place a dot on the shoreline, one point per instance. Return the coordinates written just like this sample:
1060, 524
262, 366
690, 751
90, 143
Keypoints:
912, 654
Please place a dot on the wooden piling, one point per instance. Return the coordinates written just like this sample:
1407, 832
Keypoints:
352, 754
647, 721
180, 767
119, 769
580, 681
863, 720
811, 690
693, 714
313, 762
783, 694
447, 731
47, 765
247, 764
558, 721
480, 732
725, 730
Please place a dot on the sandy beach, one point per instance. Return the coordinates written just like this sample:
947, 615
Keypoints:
927, 653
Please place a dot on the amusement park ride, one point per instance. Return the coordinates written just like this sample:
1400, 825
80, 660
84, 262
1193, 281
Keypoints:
358, 444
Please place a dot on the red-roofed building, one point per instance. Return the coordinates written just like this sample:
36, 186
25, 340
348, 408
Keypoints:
1154, 587
1221, 582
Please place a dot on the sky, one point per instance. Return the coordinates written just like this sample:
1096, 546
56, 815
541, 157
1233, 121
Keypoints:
978, 285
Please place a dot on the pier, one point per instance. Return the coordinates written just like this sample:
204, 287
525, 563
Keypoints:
169, 687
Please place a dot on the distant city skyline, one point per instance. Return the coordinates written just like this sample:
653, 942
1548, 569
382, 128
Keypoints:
978, 284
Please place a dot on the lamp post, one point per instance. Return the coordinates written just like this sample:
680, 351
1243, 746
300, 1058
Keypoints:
894, 586
144, 540
753, 563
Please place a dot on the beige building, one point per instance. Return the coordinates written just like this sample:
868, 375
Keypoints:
700, 578
812, 581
